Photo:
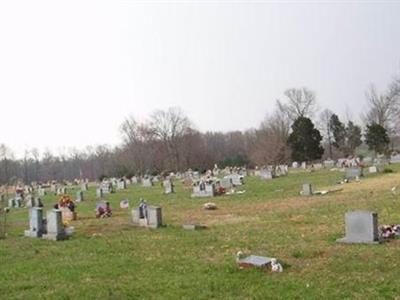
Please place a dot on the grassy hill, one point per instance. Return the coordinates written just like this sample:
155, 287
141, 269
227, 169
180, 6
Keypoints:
111, 259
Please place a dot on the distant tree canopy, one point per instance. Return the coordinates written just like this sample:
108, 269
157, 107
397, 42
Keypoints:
169, 142
376, 138
305, 141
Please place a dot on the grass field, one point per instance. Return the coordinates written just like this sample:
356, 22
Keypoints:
111, 259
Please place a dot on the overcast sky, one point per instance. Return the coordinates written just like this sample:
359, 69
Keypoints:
71, 71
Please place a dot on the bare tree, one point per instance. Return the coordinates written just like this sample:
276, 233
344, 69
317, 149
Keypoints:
170, 127
270, 144
384, 109
301, 103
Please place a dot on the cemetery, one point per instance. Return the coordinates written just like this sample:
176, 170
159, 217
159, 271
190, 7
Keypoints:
156, 246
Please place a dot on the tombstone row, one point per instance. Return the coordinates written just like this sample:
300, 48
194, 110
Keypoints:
51, 228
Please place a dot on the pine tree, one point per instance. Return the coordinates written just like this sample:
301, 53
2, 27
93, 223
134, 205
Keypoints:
305, 141
376, 138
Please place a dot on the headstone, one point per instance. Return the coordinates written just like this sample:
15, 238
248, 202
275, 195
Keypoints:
99, 193
243, 172
36, 226
266, 174
107, 187
307, 189
317, 166
254, 261
79, 196
55, 227
281, 170
84, 187
304, 165
395, 159
134, 180
38, 202
41, 192
373, 169
361, 227
168, 186
15, 202
295, 165
203, 189
152, 218
11, 202
352, 173
147, 182
29, 201
121, 185
226, 183
329, 164
193, 226
53, 188
62, 190
236, 179
155, 217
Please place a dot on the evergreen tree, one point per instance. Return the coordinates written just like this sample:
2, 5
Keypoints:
338, 130
305, 141
353, 137
377, 139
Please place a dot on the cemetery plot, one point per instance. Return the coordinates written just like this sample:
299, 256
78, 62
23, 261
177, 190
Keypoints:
262, 222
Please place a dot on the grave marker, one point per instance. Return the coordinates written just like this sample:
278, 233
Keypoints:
147, 182
352, 173
307, 190
151, 217
55, 227
373, 169
36, 225
168, 186
99, 193
203, 189
79, 196
121, 185
84, 187
361, 228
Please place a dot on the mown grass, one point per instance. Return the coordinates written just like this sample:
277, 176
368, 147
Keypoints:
111, 259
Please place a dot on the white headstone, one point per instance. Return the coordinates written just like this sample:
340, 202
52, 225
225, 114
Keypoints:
147, 182
226, 183
41, 192
153, 219
99, 193
79, 196
84, 187
36, 226
121, 185
203, 189
373, 169
265, 174
55, 227
168, 186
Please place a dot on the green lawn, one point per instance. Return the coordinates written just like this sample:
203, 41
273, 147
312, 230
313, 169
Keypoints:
111, 259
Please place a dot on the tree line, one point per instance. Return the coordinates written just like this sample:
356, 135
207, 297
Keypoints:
168, 141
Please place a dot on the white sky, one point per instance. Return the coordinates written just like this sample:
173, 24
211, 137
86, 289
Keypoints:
71, 71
